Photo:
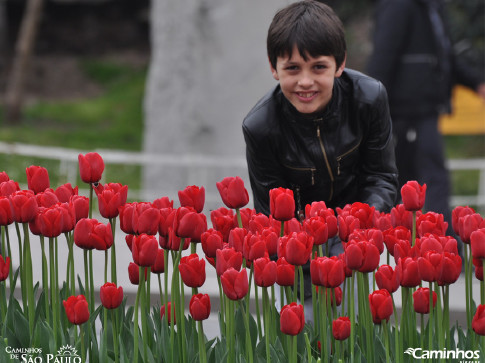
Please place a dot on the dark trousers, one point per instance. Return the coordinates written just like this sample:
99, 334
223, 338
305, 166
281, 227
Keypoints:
420, 156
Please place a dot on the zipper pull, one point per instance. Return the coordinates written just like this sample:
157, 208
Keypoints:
313, 177
300, 213
318, 131
338, 166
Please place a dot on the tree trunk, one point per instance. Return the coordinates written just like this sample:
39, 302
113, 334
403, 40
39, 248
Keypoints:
23, 52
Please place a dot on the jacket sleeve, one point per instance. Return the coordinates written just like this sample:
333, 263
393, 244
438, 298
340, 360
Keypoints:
392, 20
378, 181
263, 166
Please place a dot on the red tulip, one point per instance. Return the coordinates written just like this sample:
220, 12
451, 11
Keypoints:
227, 258
402, 217
111, 197
200, 307
235, 284
6, 215
192, 196
24, 206
421, 300
362, 211
192, 270
146, 218
50, 221
144, 250
89, 234
413, 195
163, 202
362, 256
111, 296
327, 271
317, 227
450, 269
223, 221
259, 222
382, 221
233, 193
254, 247
341, 328
4, 268
429, 266
37, 178
347, 224
9, 187
126, 217
387, 278
456, 214
158, 266
468, 224
396, 233
270, 239
65, 192
169, 314
76, 309
46, 199
282, 204
285, 272
134, 273
211, 241
81, 206
172, 242
264, 272
292, 319
91, 167
478, 321
246, 215
410, 276
380, 305
477, 242
431, 242
165, 222
320, 209
236, 238
372, 235
4, 177
188, 223
431, 222
298, 248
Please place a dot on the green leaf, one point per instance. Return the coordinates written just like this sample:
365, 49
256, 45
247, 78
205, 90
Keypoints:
21, 329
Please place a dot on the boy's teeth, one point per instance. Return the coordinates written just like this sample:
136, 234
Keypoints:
306, 95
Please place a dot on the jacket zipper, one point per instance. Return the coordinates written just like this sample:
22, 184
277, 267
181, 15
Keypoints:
326, 162
339, 158
299, 212
312, 170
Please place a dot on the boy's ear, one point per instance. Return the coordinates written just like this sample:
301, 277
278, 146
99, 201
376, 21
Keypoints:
273, 71
340, 69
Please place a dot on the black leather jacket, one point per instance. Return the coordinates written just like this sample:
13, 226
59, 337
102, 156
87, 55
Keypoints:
341, 156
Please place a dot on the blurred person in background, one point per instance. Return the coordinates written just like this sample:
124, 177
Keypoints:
413, 56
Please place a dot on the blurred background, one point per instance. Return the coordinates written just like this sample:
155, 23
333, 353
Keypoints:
159, 88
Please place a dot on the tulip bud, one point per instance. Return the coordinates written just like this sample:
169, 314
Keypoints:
200, 307
292, 319
110, 295
91, 167
76, 309
341, 328
413, 195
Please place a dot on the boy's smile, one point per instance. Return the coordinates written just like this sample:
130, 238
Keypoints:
307, 84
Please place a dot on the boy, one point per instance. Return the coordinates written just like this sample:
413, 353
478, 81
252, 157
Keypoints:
324, 131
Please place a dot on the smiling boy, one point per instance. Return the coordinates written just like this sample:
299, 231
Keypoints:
323, 131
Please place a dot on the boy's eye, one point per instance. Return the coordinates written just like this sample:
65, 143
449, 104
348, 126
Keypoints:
320, 66
291, 68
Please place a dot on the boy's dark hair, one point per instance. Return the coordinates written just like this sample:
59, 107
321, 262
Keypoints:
310, 25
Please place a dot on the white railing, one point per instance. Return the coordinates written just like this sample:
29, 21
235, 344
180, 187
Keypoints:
68, 159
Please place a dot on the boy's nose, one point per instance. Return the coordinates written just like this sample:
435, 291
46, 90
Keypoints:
305, 80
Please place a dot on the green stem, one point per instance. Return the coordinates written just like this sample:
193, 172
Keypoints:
282, 229
21, 268
302, 286
413, 235
352, 317
266, 322
143, 312
468, 298
135, 323
10, 275
249, 345
258, 313
386, 339
105, 266
112, 222
53, 291
91, 279
45, 279
86, 275
430, 321
202, 352
83, 347
239, 219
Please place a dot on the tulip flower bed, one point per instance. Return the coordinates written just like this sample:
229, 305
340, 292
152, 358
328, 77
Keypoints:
352, 295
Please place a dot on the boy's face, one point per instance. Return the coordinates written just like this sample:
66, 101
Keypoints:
307, 84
